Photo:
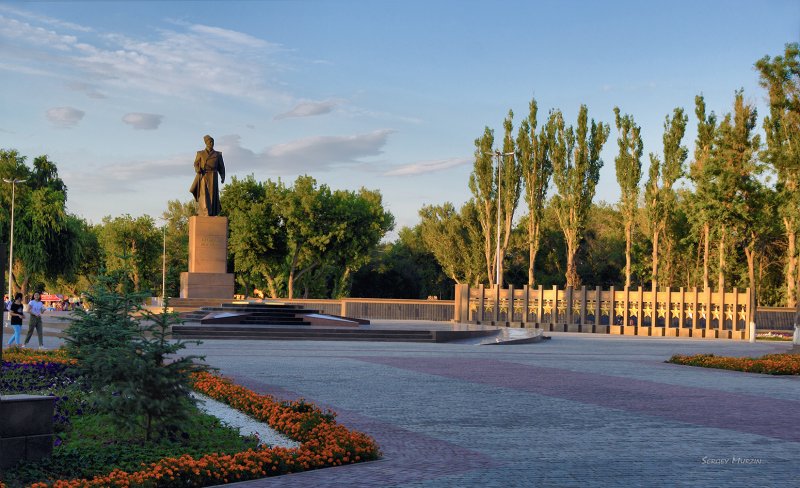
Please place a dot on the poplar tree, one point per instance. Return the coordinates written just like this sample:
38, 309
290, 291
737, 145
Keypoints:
660, 197
629, 172
576, 171
534, 160
781, 77
704, 145
489, 189
483, 185
510, 188
735, 191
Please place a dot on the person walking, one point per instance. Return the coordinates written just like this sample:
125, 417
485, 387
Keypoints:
16, 314
36, 308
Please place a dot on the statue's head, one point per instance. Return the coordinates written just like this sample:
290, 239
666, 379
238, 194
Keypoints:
209, 142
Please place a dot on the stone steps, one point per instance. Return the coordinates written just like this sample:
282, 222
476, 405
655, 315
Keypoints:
300, 333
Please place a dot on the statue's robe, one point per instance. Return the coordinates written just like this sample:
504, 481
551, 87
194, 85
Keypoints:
205, 187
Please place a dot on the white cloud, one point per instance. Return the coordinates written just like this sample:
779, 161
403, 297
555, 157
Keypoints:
309, 154
427, 166
142, 121
308, 109
65, 117
190, 61
128, 176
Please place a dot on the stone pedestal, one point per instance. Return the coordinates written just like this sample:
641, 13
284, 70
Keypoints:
26, 428
208, 260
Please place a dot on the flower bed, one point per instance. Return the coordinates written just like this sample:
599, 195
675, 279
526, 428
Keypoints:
774, 336
324, 442
778, 364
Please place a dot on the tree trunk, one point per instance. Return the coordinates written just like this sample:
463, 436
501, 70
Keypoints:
533, 250
290, 283
488, 250
273, 292
655, 259
628, 232
721, 278
572, 273
750, 253
791, 263
706, 254
669, 268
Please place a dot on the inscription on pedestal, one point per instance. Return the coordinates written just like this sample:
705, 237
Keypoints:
208, 260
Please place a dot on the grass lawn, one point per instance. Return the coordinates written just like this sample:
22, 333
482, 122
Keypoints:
91, 450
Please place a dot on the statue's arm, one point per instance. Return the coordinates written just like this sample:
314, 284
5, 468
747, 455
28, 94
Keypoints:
197, 161
221, 168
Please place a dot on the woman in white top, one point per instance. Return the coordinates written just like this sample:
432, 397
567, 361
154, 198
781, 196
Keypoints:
36, 308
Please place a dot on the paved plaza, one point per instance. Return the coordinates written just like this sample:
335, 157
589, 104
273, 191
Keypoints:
578, 410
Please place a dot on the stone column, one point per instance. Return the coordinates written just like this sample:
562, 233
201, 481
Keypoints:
208, 260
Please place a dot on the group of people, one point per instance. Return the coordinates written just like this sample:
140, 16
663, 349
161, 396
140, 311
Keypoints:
16, 310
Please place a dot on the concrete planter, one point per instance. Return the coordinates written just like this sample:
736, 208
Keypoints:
26, 428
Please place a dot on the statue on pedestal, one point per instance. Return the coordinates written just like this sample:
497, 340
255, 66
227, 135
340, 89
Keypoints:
205, 187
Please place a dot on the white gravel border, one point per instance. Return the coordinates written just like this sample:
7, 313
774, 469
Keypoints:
246, 425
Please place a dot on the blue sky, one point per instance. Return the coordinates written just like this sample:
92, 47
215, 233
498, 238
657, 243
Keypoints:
388, 95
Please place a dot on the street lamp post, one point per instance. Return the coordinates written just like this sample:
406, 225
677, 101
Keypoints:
164, 268
498, 155
11, 238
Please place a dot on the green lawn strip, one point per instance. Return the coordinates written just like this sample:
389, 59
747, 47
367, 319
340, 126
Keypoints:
92, 446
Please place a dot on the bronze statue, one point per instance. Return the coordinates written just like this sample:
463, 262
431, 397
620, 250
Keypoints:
205, 186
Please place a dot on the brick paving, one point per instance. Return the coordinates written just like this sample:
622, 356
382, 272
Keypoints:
573, 411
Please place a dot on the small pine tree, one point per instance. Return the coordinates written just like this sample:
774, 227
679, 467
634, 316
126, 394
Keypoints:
131, 364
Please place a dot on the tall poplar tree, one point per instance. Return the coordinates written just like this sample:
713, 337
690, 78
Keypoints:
660, 197
781, 77
495, 193
576, 171
534, 159
703, 147
483, 184
510, 188
629, 173
735, 190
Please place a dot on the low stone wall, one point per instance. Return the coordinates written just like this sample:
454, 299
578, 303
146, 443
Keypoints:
26, 428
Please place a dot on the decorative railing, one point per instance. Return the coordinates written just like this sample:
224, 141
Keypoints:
667, 312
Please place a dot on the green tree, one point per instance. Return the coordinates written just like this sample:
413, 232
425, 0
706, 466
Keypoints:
45, 241
702, 201
576, 170
629, 172
361, 222
454, 239
405, 268
176, 229
132, 247
258, 240
660, 197
738, 199
496, 193
81, 242
781, 77
533, 155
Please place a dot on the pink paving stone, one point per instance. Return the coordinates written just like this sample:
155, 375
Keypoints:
705, 407
407, 456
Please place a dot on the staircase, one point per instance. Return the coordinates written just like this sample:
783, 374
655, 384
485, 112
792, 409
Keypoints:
277, 333
254, 313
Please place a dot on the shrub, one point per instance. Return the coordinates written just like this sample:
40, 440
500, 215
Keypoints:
129, 364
